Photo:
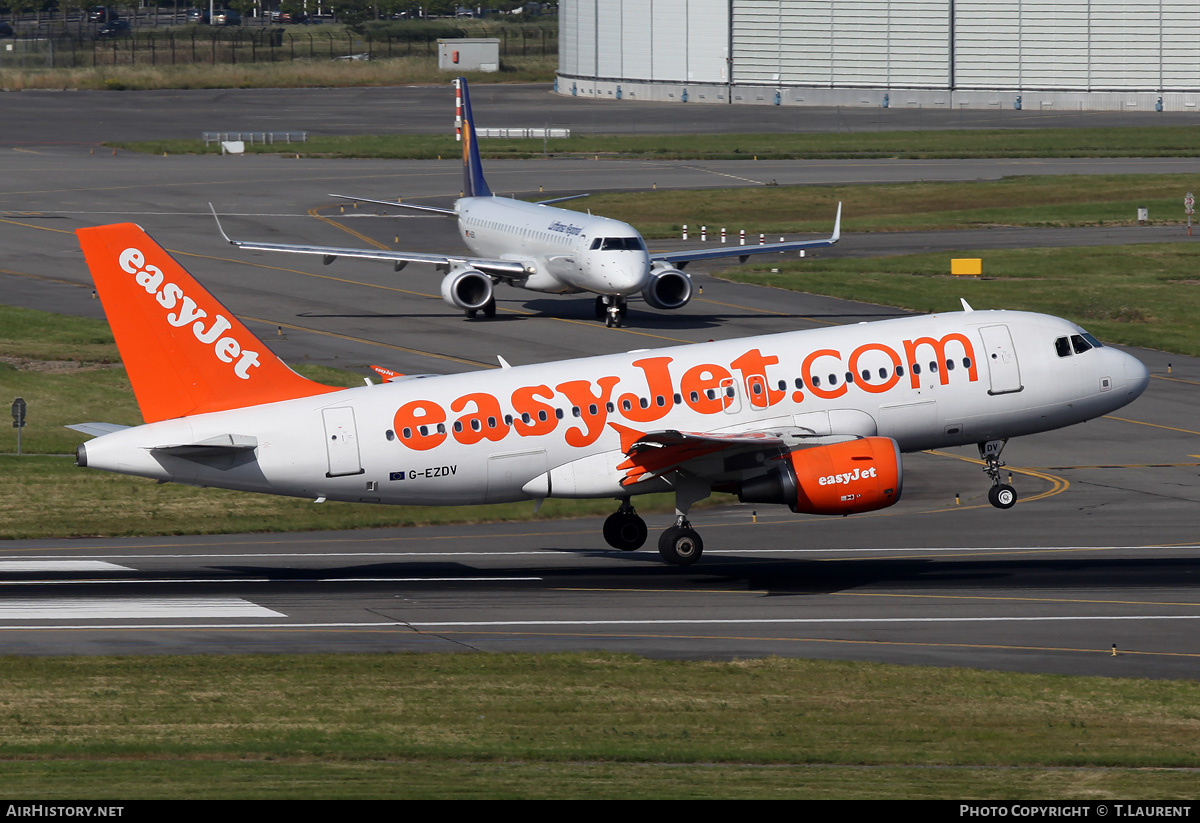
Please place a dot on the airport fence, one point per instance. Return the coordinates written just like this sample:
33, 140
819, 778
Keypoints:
197, 45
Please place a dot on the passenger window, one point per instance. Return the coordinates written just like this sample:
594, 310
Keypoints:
916, 368
949, 365
933, 366
1063, 347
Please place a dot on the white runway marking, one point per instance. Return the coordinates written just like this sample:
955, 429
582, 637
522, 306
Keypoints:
60, 566
517, 624
105, 608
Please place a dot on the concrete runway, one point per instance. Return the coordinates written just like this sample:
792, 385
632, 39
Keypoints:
1100, 552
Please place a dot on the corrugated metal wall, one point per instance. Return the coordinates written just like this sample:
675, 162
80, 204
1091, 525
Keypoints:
869, 43
1070, 45
660, 40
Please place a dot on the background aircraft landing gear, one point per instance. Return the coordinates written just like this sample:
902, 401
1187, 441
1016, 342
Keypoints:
680, 545
1000, 495
611, 309
624, 530
488, 309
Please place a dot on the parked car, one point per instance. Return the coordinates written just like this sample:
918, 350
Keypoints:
101, 14
6, 30
115, 28
226, 17
197, 16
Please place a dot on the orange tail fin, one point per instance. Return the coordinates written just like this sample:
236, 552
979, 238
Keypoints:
185, 353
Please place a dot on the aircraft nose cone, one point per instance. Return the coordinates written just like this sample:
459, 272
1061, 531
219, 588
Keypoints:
628, 279
1137, 376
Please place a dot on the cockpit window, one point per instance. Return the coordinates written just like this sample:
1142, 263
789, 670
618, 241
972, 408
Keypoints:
622, 244
1063, 346
596, 243
1079, 344
1096, 344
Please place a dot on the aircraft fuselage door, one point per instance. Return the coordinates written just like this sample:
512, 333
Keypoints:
1001, 358
341, 442
730, 396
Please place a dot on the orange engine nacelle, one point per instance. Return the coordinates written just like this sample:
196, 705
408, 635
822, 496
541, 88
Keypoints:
844, 478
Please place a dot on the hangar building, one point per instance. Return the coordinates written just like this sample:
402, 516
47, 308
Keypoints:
1138, 55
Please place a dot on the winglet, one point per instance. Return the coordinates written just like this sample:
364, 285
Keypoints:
221, 230
837, 225
184, 352
965, 304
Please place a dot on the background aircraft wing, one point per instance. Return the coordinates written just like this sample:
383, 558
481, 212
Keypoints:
397, 204
504, 269
684, 257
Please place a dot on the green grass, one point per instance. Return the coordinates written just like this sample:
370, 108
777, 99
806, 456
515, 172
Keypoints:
1144, 295
582, 725
1050, 201
298, 74
1128, 141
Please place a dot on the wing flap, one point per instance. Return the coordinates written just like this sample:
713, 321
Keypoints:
712, 455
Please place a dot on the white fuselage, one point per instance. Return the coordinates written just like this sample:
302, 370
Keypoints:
556, 245
555, 429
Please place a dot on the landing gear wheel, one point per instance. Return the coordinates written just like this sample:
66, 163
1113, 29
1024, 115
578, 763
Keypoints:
471, 313
611, 320
489, 308
1002, 496
680, 545
625, 531
622, 309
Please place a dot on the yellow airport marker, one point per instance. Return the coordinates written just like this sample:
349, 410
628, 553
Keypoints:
966, 266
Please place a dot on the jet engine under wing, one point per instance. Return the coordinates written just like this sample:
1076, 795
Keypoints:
504, 269
684, 257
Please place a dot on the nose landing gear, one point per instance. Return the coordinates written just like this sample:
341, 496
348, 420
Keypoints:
1000, 495
611, 309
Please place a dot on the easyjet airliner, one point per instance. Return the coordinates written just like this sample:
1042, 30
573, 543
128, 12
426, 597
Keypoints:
814, 420
538, 247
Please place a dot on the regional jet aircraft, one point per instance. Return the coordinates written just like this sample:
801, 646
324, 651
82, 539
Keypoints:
538, 247
815, 420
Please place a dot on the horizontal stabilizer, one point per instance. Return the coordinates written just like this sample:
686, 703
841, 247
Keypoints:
211, 447
96, 429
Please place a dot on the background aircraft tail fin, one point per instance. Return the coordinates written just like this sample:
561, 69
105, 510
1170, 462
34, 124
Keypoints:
473, 183
184, 352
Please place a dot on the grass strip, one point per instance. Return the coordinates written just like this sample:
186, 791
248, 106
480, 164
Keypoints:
1127, 141
583, 725
1143, 295
315, 73
1049, 201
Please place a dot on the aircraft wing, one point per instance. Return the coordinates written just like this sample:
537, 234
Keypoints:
504, 269
397, 204
743, 252
713, 456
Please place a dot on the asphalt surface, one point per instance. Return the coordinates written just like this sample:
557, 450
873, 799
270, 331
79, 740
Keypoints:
96, 116
1100, 554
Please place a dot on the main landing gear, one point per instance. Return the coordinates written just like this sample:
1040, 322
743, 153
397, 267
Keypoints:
624, 530
679, 544
611, 309
488, 309
1000, 495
